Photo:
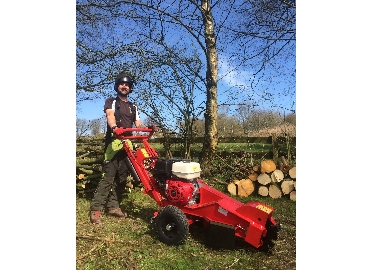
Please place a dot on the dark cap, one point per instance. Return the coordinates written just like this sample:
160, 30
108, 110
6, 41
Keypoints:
124, 77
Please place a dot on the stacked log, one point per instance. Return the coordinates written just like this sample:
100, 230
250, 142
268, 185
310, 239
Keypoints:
244, 187
89, 165
268, 180
89, 160
292, 174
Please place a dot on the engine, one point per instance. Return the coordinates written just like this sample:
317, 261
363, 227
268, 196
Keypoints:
177, 180
181, 192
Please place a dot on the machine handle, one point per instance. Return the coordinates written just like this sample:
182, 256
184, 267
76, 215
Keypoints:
123, 137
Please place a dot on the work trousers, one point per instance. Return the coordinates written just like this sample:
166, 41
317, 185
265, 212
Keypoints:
109, 191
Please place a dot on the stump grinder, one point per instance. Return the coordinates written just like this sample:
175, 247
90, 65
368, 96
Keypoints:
185, 199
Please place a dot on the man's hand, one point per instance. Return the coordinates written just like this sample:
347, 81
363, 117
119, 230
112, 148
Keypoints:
118, 131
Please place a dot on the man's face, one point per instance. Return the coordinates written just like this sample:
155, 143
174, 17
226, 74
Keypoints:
124, 88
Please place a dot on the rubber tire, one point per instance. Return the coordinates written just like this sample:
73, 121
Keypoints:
271, 235
179, 231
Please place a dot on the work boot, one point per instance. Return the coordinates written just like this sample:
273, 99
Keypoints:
117, 213
95, 217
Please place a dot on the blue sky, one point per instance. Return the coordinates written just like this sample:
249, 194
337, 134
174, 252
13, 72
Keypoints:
94, 109
90, 110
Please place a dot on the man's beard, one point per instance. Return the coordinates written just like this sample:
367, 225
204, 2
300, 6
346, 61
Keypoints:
121, 94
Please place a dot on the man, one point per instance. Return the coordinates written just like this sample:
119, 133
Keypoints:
120, 114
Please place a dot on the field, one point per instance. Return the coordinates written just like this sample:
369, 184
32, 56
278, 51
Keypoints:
230, 147
132, 243
257, 150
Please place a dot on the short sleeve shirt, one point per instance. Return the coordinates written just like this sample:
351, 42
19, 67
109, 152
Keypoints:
127, 112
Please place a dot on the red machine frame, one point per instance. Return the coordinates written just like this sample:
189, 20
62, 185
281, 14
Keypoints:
223, 217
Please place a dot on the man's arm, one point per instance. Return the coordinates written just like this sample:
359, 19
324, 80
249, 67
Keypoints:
111, 119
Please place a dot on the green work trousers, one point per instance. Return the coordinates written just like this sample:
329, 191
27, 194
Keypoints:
109, 191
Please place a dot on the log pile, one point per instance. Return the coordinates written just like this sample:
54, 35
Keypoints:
89, 164
268, 179
89, 160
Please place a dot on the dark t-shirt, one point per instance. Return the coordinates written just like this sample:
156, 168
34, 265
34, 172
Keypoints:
126, 114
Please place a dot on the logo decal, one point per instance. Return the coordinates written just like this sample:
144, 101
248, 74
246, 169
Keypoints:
264, 208
222, 211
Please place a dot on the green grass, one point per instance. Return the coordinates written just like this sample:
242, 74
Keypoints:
132, 243
230, 147
249, 147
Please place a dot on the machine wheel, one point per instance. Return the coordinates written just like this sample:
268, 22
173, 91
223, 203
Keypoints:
272, 234
172, 225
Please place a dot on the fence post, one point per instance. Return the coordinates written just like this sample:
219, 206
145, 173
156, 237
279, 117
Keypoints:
275, 148
288, 146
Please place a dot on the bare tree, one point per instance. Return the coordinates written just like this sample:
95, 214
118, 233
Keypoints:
96, 126
263, 119
170, 47
290, 118
228, 125
90, 127
195, 19
242, 113
261, 40
82, 127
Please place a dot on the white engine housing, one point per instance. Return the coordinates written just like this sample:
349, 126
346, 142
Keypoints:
186, 170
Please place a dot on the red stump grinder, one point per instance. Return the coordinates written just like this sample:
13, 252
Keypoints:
184, 199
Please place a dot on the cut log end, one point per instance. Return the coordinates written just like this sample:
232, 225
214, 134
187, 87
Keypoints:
287, 186
263, 191
274, 192
268, 166
285, 168
264, 179
253, 176
246, 187
292, 195
292, 172
277, 176
232, 188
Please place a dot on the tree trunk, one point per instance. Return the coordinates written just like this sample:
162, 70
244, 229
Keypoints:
210, 116
289, 146
275, 148
167, 144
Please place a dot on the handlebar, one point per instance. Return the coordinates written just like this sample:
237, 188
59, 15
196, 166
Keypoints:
122, 136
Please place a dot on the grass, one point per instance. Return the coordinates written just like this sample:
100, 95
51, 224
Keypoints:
230, 147
132, 243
